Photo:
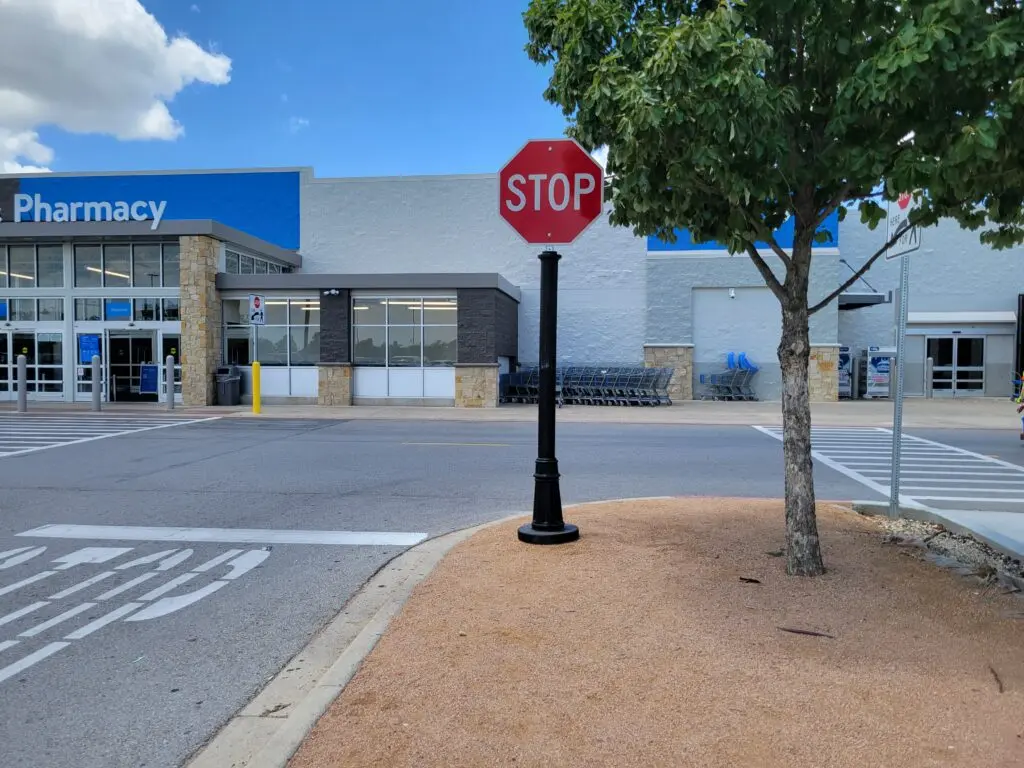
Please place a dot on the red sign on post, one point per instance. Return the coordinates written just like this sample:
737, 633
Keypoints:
551, 191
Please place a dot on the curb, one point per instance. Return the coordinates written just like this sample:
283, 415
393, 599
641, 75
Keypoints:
268, 730
923, 515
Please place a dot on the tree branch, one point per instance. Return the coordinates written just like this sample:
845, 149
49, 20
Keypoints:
832, 204
763, 233
766, 272
856, 275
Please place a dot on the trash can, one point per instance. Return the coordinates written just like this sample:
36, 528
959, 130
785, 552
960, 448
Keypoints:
229, 385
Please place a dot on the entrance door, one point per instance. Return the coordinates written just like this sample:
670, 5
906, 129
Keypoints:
44, 370
127, 353
958, 365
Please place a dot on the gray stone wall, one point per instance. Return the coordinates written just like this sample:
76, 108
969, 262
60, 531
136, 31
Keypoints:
335, 333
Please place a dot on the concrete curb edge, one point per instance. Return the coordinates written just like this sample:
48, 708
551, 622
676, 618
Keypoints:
257, 736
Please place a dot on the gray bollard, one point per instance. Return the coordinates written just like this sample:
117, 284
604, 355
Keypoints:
97, 385
169, 381
22, 384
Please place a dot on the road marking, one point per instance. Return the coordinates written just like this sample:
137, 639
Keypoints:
82, 585
932, 473
33, 658
7, 644
90, 431
468, 445
146, 559
88, 555
217, 560
226, 535
25, 582
165, 588
126, 586
169, 605
21, 612
40, 628
102, 621
23, 557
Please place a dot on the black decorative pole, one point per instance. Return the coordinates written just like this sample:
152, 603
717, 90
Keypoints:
547, 526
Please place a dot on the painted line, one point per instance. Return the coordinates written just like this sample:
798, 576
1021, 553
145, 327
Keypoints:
102, 621
163, 589
21, 612
112, 434
25, 582
975, 499
841, 469
127, 585
226, 535
958, 488
146, 559
23, 557
175, 560
33, 658
8, 644
944, 473
82, 585
171, 604
245, 563
209, 564
9, 552
40, 628
468, 445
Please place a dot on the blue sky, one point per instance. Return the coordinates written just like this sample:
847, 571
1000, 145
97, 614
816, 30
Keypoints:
391, 87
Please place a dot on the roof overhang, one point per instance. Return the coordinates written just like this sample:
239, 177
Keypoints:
141, 231
860, 300
410, 281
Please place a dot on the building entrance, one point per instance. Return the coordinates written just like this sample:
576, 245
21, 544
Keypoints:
127, 353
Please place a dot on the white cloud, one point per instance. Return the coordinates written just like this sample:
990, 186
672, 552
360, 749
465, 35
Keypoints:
91, 66
194, 8
601, 155
296, 124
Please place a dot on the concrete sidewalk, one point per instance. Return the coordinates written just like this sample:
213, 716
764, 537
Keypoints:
987, 413
980, 413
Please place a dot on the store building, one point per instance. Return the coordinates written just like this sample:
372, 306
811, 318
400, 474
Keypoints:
413, 290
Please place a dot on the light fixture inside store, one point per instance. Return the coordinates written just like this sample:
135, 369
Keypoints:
17, 275
108, 272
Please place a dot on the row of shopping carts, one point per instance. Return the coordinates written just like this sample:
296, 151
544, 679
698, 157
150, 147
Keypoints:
591, 385
733, 383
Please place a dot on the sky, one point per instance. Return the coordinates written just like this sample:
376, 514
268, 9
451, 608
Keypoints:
349, 87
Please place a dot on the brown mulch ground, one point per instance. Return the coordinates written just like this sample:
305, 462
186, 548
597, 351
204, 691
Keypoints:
640, 645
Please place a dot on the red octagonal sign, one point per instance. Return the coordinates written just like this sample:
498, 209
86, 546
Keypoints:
551, 191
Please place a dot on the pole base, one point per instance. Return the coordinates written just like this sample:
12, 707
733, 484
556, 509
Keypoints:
563, 535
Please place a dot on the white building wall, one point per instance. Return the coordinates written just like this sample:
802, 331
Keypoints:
451, 224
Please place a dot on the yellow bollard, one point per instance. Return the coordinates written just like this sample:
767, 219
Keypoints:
256, 387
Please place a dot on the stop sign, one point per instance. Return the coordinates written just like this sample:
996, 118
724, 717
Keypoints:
551, 191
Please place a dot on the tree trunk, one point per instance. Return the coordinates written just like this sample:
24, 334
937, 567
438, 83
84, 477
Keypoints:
803, 551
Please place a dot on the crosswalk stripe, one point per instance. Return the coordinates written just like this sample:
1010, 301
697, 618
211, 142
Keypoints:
22, 434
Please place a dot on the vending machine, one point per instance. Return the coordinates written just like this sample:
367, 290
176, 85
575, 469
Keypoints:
879, 372
845, 372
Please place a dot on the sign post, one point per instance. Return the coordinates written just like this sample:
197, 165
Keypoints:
907, 243
257, 312
549, 192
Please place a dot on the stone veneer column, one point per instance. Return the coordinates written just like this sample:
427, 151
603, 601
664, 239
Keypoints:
334, 386
200, 319
823, 373
679, 357
476, 385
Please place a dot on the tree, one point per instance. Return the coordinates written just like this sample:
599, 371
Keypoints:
725, 118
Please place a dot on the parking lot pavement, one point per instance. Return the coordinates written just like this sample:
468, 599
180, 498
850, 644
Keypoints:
22, 433
932, 473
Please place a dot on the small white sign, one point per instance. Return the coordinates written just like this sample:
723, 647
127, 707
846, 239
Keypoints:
899, 215
257, 313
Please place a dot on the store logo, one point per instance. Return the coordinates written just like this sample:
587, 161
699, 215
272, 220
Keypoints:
32, 208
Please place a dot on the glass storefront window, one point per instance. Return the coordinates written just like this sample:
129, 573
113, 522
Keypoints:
146, 266
21, 271
369, 345
172, 265
50, 349
305, 341
261, 267
51, 310
51, 266
89, 309
439, 344
117, 309
405, 311
3, 268
245, 265
231, 262
440, 312
276, 311
171, 310
304, 312
404, 347
369, 312
272, 345
23, 310
147, 310
88, 267
117, 266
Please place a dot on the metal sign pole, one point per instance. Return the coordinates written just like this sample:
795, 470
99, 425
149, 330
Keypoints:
548, 526
897, 418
